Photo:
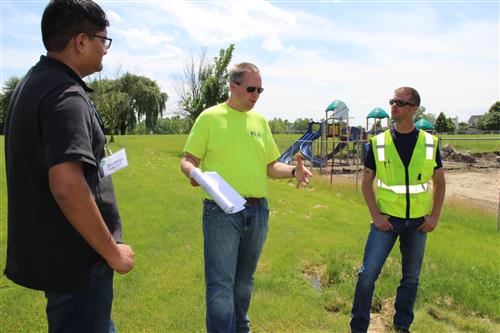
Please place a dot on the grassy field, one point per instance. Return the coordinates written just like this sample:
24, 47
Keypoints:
315, 234
474, 143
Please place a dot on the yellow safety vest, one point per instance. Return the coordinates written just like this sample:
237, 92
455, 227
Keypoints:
393, 191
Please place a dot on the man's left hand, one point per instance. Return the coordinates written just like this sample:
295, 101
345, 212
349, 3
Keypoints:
430, 223
302, 174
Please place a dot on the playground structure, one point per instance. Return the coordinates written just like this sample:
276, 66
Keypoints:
377, 115
337, 140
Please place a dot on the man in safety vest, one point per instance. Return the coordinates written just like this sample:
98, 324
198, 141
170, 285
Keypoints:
404, 160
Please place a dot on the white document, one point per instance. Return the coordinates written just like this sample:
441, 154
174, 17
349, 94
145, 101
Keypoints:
113, 163
224, 195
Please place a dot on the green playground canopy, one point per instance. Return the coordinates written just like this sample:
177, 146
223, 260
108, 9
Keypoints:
424, 124
336, 104
378, 113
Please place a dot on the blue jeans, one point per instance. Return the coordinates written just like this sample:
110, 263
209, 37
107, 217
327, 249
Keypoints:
232, 247
378, 247
84, 311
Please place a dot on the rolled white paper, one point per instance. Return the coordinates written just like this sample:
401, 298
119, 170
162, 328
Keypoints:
224, 195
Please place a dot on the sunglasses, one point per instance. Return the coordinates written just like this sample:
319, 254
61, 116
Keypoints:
251, 89
400, 102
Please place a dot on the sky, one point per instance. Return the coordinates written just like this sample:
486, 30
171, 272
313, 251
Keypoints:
310, 53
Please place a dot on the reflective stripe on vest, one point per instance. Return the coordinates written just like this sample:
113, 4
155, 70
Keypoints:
429, 146
381, 146
401, 189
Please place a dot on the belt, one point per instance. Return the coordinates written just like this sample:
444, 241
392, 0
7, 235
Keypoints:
252, 202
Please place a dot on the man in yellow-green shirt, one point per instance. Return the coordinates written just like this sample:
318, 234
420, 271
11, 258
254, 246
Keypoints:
236, 142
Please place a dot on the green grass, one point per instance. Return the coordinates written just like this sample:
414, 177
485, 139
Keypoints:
491, 144
318, 231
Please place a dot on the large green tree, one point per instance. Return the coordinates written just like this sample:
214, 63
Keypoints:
111, 104
128, 100
5, 96
147, 102
204, 84
442, 124
491, 120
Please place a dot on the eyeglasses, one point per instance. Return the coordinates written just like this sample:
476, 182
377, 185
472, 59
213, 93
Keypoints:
106, 42
252, 89
400, 102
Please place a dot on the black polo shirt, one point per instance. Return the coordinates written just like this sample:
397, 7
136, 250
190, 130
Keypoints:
50, 120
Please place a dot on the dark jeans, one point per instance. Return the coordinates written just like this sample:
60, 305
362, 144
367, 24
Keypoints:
84, 311
378, 247
232, 247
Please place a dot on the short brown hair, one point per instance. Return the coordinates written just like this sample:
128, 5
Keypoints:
414, 95
238, 71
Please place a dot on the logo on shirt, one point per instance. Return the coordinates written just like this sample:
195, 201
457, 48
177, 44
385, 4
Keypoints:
255, 134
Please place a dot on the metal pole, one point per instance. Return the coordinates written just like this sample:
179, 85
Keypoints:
319, 147
356, 143
333, 158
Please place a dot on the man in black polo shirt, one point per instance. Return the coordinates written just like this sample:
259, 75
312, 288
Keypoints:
64, 229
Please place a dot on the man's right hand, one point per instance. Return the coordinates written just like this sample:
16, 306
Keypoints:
188, 163
124, 261
382, 223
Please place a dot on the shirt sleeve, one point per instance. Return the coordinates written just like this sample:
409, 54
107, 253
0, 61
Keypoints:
272, 151
66, 130
196, 143
439, 163
370, 157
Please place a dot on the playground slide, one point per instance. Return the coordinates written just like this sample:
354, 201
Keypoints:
337, 149
306, 138
306, 151
355, 135
304, 145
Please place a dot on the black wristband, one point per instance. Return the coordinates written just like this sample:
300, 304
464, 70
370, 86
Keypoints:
293, 172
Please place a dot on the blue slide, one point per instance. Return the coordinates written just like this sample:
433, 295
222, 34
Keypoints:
305, 141
304, 145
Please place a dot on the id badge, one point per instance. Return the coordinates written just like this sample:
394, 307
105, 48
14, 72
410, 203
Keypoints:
113, 163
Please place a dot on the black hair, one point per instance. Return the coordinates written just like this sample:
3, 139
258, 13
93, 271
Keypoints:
64, 19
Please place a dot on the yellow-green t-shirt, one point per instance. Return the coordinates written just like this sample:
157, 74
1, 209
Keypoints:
238, 145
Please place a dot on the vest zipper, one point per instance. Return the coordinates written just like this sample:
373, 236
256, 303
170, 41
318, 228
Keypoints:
407, 183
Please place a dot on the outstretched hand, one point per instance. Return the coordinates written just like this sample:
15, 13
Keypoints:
302, 174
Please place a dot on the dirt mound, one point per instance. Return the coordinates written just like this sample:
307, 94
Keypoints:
450, 154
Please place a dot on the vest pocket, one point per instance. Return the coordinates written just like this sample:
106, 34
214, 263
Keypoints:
420, 204
427, 170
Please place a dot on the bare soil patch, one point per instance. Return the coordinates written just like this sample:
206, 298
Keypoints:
479, 187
